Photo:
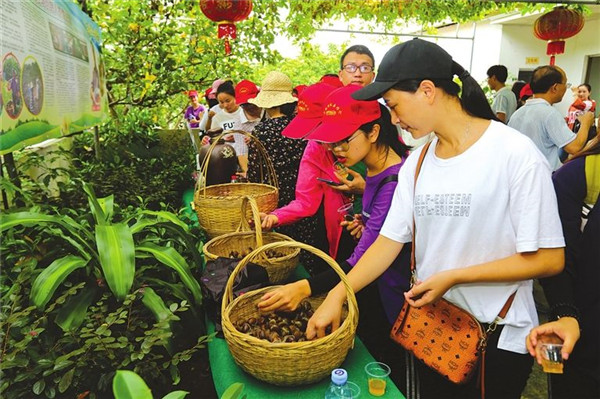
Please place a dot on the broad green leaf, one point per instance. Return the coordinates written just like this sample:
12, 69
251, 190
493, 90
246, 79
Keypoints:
159, 309
66, 380
176, 395
155, 304
107, 204
72, 314
171, 258
10, 220
129, 385
95, 207
79, 235
50, 278
171, 217
39, 386
234, 391
176, 289
117, 257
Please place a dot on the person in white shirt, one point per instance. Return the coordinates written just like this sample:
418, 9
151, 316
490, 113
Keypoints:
484, 209
505, 101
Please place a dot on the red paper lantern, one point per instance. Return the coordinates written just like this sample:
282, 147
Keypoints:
226, 12
556, 26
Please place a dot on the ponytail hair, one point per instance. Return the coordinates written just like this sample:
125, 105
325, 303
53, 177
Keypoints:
472, 98
388, 133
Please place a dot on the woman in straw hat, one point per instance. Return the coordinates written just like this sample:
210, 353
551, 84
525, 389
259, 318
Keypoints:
484, 209
285, 153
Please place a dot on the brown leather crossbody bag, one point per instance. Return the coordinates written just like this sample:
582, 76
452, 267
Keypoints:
445, 337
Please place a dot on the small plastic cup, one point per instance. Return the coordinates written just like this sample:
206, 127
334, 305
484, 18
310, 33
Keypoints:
346, 212
340, 168
350, 391
377, 375
552, 361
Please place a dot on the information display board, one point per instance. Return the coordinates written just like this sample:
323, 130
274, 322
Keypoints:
51, 74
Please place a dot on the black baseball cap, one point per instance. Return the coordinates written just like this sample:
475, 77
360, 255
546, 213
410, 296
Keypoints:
414, 59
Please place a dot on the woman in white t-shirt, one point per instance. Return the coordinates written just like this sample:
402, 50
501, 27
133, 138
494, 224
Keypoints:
484, 208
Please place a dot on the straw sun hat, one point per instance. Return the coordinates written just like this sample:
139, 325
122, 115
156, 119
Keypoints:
276, 90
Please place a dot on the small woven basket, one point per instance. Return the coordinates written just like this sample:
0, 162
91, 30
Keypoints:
219, 206
278, 268
293, 363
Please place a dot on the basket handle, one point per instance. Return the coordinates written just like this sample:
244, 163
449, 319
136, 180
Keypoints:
244, 226
272, 177
228, 293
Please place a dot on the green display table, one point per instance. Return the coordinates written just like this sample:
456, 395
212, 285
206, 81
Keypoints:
226, 372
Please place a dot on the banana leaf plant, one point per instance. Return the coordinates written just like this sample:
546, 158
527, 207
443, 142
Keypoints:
108, 251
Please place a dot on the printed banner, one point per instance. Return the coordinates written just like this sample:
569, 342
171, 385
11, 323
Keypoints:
52, 73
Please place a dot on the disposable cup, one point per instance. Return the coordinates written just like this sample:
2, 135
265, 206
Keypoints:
377, 376
552, 361
346, 212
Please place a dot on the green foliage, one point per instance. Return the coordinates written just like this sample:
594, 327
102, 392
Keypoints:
129, 385
307, 68
234, 391
38, 358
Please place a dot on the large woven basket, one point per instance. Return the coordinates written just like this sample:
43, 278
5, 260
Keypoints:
219, 206
293, 363
278, 268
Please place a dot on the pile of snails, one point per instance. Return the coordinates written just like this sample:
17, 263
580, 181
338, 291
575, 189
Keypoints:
270, 253
279, 326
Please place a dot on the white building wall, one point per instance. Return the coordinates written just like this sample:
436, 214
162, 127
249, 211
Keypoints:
518, 43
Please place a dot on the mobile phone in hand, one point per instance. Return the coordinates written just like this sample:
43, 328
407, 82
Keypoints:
330, 182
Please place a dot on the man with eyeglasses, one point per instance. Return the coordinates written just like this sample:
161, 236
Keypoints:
357, 66
544, 124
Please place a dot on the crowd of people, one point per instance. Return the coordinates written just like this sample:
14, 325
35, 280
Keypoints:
498, 203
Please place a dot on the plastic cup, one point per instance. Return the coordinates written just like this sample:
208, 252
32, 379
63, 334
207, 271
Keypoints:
552, 361
377, 375
346, 212
340, 168
350, 391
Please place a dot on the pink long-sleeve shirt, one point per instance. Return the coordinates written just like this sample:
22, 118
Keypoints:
317, 161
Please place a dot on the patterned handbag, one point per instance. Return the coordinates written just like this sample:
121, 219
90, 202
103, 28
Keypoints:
445, 337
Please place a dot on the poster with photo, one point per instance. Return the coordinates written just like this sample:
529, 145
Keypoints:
51, 72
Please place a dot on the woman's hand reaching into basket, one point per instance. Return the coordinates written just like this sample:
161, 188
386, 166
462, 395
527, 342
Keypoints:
268, 221
285, 298
328, 314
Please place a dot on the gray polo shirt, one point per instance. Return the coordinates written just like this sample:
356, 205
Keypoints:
545, 126
505, 102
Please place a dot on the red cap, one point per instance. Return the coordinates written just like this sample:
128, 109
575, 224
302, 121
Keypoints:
331, 80
525, 91
244, 91
310, 110
298, 89
192, 93
343, 115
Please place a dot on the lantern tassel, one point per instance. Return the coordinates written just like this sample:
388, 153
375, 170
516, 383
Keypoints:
227, 46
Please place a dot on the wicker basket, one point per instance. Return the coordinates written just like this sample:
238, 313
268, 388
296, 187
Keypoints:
293, 363
219, 206
278, 268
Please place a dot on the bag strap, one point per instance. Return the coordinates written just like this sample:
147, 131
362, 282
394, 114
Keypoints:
385, 181
413, 264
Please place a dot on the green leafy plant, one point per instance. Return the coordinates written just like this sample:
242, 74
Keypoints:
106, 248
129, 385
86, 293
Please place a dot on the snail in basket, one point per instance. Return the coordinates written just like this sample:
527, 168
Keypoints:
278, 326
270, 253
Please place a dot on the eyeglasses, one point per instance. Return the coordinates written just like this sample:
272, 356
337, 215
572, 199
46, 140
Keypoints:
569, 85
343, 145
364, 68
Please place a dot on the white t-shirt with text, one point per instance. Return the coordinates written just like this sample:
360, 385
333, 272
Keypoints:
490, 202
